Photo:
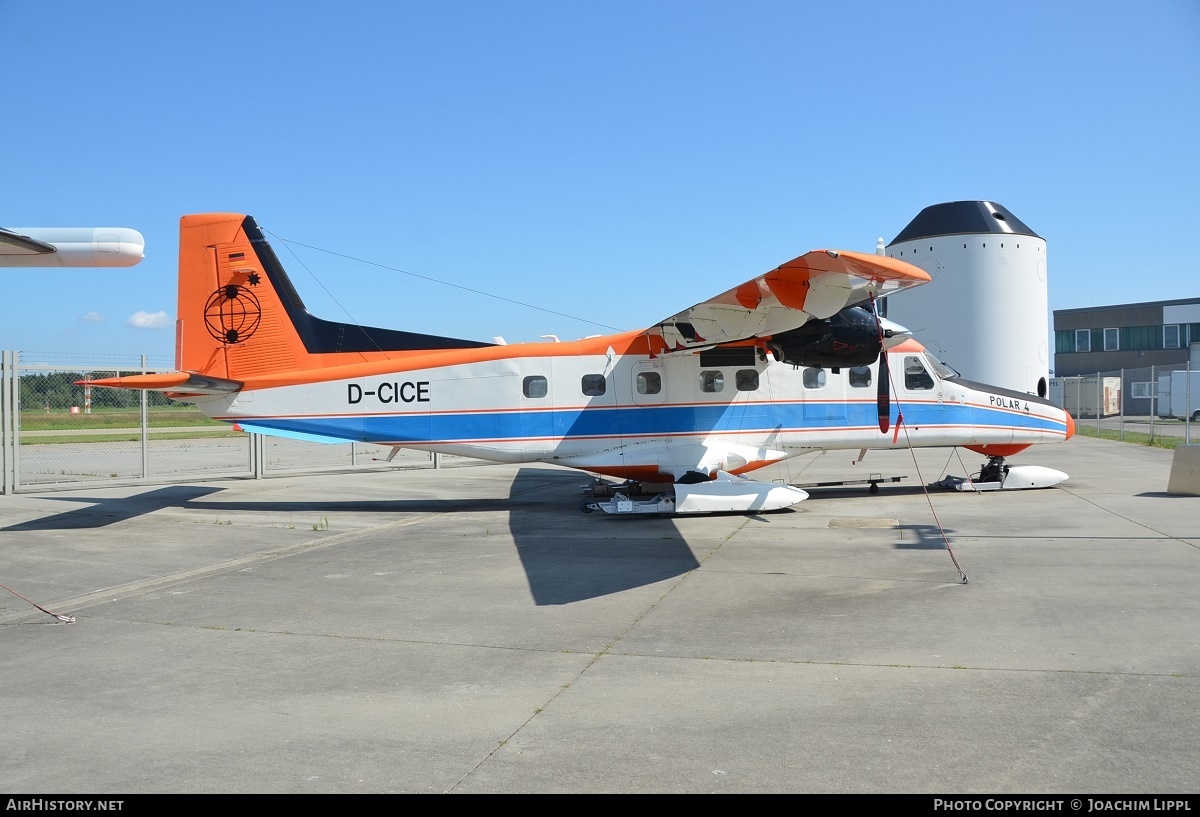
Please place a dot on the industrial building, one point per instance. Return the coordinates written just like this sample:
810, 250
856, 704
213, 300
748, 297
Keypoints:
985, 261
1138, 342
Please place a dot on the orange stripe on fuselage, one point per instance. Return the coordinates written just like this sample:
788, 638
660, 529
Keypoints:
345, 365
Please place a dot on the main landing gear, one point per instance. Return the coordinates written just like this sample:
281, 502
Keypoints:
996, 475
727, 493
601, 490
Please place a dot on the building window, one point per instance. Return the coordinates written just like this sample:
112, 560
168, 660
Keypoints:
649, 382
712, 381
814, 378
1064, 341
534, 386
860, 377
1139, 338
1140, 391
1171, 336
1083, 340
592, 385
1112, 340
746, 380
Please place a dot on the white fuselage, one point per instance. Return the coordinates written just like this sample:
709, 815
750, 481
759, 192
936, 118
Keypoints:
634, 414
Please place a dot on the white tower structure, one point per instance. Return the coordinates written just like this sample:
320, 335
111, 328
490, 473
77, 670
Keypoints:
986, 310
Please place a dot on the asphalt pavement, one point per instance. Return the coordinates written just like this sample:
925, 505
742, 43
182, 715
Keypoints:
469, 630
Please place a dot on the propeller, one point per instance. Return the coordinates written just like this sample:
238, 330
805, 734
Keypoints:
883, 397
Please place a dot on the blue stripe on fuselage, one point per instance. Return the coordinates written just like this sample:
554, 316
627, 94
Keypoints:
652, 421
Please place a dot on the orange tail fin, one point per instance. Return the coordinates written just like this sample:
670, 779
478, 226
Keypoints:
240, 317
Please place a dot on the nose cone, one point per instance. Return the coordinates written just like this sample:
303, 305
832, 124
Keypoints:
1070, 426
893, 333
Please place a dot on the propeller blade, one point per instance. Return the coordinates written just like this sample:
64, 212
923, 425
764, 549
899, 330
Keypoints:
883, 400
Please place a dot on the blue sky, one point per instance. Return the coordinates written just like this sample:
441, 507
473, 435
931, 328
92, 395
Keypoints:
596, 166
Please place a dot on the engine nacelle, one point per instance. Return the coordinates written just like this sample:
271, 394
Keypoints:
849, 338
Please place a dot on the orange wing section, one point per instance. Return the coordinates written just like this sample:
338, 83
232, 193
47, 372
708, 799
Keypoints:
815, 285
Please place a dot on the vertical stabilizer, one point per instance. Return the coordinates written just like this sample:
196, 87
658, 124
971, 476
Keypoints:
231, 321
239, 316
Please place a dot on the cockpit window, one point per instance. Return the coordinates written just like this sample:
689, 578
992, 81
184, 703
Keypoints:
940, 368
915, 375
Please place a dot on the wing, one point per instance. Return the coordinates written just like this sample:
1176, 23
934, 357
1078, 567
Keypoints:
816, 285
12, 243
71, 247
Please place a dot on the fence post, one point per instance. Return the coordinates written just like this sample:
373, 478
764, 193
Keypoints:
14, 401
1187, 414
257, 455
1153, 402
1122, 413
6, 432
1099, 402
145, 427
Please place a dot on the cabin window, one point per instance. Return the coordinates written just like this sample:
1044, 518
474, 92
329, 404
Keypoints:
814, 378
746, 380
649, 383
534, 386
712, 381
915, 376
1083, 340
1112, 340
592, 385
860, 377
1171, 336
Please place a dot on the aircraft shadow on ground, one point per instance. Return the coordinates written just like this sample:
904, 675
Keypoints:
106, 510
567, 556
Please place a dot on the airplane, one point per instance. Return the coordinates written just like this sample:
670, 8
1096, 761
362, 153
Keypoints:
791, 362
70, 247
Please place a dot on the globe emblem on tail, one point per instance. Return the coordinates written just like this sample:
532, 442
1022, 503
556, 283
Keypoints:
232, 314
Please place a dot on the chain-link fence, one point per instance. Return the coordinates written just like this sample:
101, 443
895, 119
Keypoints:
58, 431
1154, 400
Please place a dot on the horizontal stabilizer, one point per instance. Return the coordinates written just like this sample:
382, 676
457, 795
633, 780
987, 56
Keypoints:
168, 382
268, 431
